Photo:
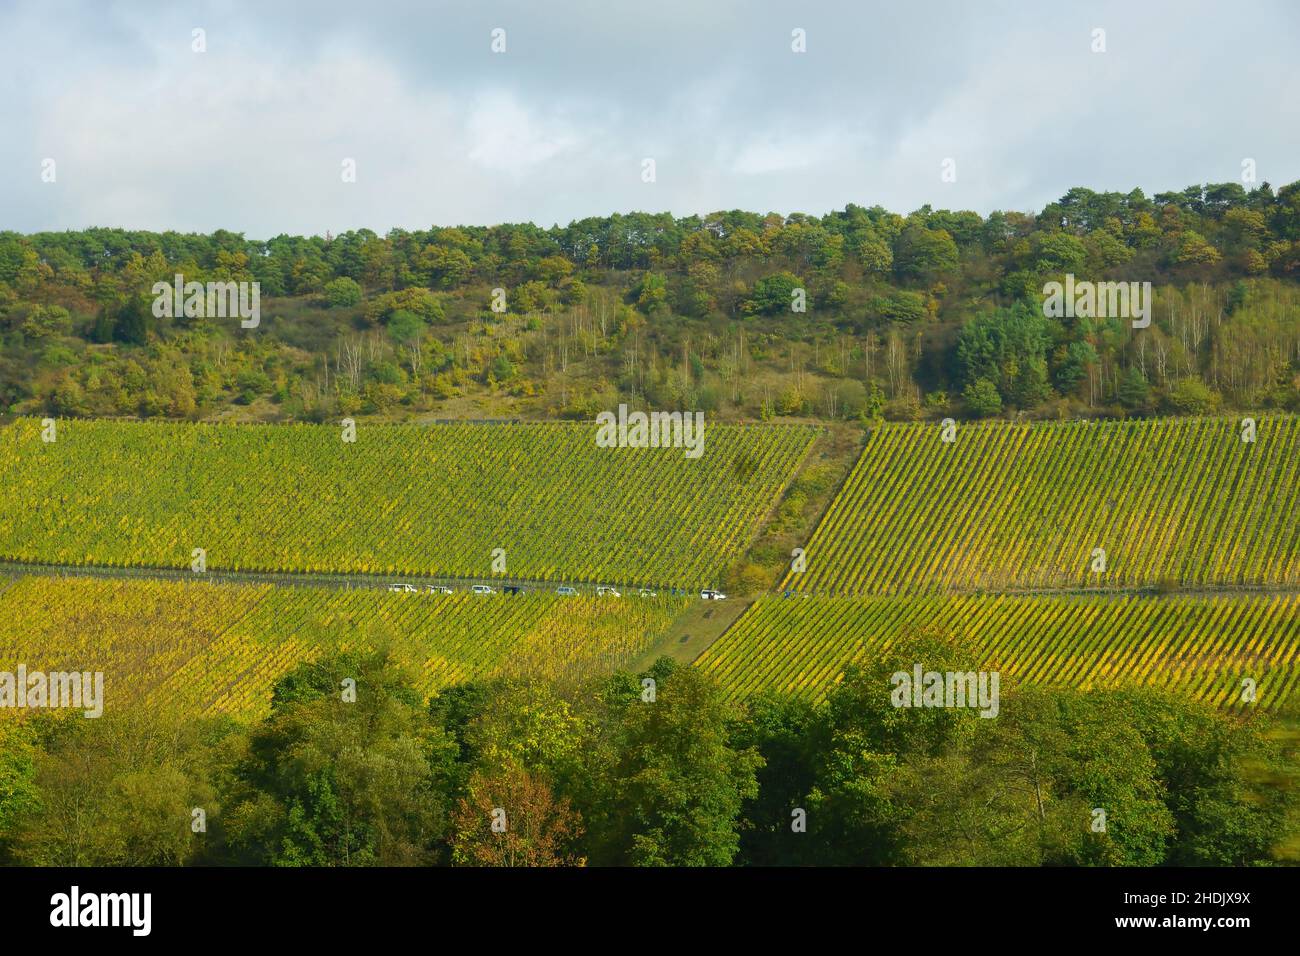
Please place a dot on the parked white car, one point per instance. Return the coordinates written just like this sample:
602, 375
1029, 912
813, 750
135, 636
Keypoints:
438, 589
483, 589
404, 588
604, 591
646, 592
708, 594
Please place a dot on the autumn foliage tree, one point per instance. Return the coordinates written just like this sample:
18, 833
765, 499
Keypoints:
511, 817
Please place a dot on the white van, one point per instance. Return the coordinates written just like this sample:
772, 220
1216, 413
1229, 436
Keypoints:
403, 588
604, 591
708, 594
565, 591
483, 589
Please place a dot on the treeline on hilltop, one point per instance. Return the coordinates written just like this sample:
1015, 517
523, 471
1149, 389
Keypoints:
933, 313
653, 769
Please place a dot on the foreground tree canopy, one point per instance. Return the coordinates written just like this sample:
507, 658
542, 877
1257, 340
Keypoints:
352, 767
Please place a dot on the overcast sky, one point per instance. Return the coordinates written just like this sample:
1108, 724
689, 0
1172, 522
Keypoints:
251, 135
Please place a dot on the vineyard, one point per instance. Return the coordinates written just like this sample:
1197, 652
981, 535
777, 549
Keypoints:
462, 500
204, 649
1070, 504
1202, 647
918, 525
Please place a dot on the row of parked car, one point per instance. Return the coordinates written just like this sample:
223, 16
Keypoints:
564, 590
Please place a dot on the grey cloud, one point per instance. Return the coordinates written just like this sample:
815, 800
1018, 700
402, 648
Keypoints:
250, 135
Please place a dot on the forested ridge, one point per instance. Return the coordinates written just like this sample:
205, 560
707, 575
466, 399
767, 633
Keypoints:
934, 313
